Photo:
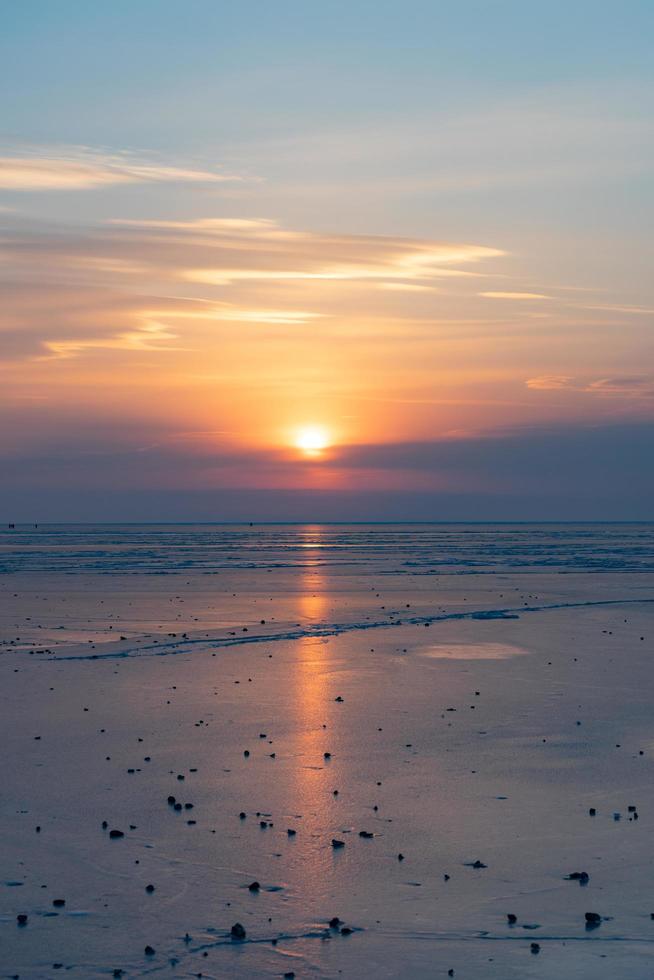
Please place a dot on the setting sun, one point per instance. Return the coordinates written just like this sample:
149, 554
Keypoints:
312, 439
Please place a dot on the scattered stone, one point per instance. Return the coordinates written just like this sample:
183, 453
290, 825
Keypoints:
254, 886
581, 876
149, 951
535, 948
21, 919
336, 922
238, 932
149, 889
337, 843
511, 919
115, 834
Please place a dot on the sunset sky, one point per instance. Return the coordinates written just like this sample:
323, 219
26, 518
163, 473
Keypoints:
286, 259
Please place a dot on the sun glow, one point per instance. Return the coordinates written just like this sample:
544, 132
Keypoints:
312, 440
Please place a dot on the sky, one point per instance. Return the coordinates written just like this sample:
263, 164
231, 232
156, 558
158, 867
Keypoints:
309, 260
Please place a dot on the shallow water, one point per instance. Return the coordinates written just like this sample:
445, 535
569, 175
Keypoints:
478, 690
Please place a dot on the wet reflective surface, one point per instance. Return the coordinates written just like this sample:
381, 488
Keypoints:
455, 718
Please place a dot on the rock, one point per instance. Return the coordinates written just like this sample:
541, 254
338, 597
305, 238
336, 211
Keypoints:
115, 834
21, 919
337, 843
346, 931
592, 919
59, 903
238, 932
149, 951
242, 815
149, 889
171, 801
254, 886
400, 856
291, 832
334, 923
366, 834
535, 948
476, 864
511, 919
577, 876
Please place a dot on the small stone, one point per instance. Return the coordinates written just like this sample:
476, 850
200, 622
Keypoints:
59, 903
581, 876
337, 843
346, 931
334, 923
21, 919
149, 889
149, 951
115, 834
535, 948
237, 931
592, 918
511, 919
254, 886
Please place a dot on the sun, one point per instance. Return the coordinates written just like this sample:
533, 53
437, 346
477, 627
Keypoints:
312, 439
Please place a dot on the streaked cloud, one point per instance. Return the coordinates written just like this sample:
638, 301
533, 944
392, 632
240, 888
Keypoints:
80, 169
517, 296
549, 382
641, 386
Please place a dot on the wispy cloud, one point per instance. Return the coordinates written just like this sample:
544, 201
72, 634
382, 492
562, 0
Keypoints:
516, 296
80, 169
549, 382
641, 386
146, 337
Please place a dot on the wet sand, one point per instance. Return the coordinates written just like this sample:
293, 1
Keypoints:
453, 720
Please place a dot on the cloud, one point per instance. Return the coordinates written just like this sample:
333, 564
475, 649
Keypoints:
549, 382
517, 296
78, 169
119, 275
640, 386
146, 337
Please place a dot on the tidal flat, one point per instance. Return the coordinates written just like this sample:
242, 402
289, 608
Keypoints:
382, 751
